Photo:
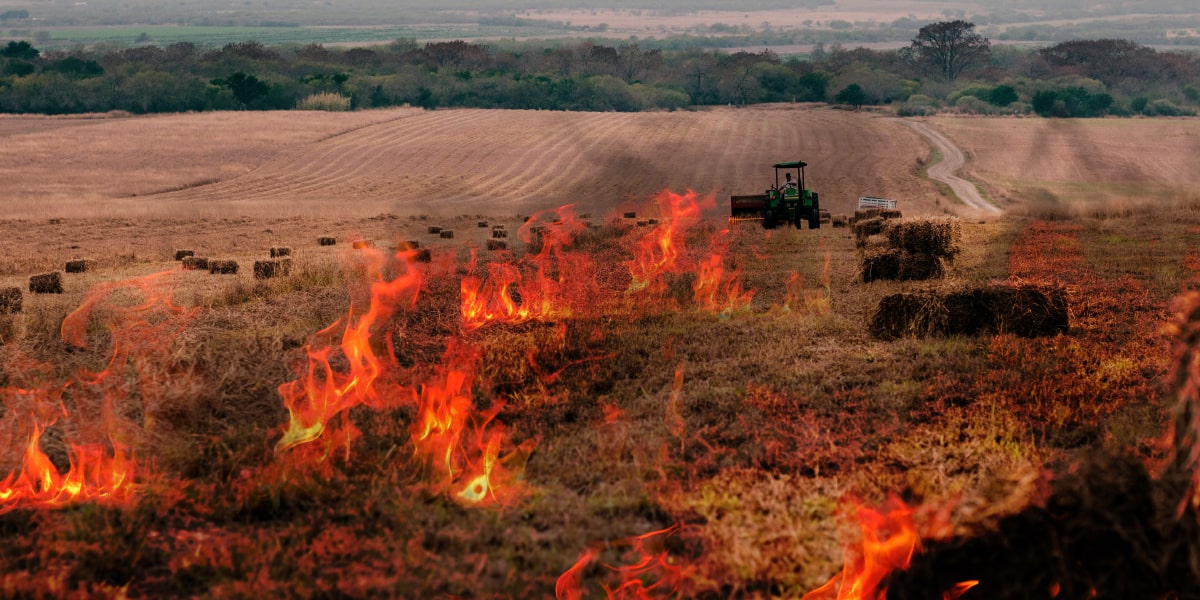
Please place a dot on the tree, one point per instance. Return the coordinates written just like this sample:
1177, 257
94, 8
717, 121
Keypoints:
20, 50
948, 48
853, 95
245, 88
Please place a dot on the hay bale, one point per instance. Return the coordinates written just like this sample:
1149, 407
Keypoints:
499, 233
447, 234
824, 216
494, 227
880, 265
10, 300
56, 221
223, 267
890, 213
195, 263
433, 229
46, 283
916, 314
652, 221
423, 256
266, 269
497, 245
864, 228
916, 266
643, 222
482, 224
182, 254
631, 215
361, 244
840, 221
408, 245
863, 214
280, 251
1026, 310
874, 242
326, 241
77, 266
939, 237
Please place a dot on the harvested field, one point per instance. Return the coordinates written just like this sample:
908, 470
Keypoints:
689, 406
279, 164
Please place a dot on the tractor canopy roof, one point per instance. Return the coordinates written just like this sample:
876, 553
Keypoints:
792, 164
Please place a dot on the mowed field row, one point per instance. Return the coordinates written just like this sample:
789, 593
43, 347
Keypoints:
448, 162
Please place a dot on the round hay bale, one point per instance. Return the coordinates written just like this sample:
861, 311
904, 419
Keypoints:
266, 269
499, 233
631, 215
482, 224
497, 245
916, 314
77, 266
182, 254
916, 266
326, 241
868, 227
840, 221
280, 251
433, 229
46, 283
880, 265
11, 300
223, 267
447, 234
195, 263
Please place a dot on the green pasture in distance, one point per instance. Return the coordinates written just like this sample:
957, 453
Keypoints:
221, 35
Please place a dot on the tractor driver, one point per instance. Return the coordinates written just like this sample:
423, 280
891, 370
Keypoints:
789, 183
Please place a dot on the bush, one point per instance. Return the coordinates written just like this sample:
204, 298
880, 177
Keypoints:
918, 110
325, 101
1165, 108
972, 106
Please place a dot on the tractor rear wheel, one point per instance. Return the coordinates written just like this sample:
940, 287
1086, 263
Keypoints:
768, 219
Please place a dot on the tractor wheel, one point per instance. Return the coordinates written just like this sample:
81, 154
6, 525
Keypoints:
769, 219
814, 220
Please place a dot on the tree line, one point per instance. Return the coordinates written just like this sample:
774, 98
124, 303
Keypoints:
948, 67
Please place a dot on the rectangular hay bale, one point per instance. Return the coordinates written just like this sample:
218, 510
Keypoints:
499, 233
938, 236
46, 283
223, 267
497, 245
880, 265
913, 314
864, 228
447, 234
77, 266
182, 254
11, 300
195, 263
433, 229
326, 241
266, 269
280, 251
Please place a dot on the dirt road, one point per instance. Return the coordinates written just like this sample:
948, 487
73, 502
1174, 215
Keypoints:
952, 160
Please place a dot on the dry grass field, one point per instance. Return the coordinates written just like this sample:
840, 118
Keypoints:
609, 404
446, 162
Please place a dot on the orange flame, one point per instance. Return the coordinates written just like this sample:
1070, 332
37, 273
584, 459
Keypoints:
888, 541
653, 572
455, 445
655, 253
556, 280
100, 462
808, 301
716, 290
321, 393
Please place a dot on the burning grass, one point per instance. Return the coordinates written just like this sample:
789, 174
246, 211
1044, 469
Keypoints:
668, 409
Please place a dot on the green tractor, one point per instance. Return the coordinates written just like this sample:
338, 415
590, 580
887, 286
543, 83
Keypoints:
788, 202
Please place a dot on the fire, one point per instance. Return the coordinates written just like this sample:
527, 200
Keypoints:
553, 281
99, 448
655, 253
652, 571
321, 392
458, 447
887, 540
718, 290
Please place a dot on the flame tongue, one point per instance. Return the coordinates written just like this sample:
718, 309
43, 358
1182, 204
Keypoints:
656, 253
549, 284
